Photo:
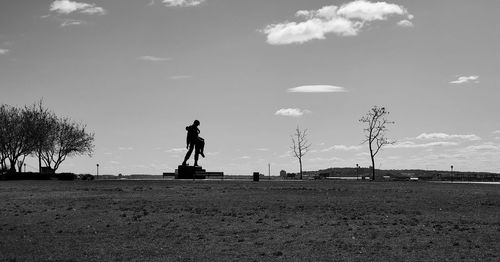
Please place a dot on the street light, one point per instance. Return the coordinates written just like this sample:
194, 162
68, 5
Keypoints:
357, 172
451, 173
97, 171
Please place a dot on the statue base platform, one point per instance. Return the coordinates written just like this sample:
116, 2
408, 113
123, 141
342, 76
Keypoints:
195, 172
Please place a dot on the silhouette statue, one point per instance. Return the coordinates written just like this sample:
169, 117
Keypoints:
193, 141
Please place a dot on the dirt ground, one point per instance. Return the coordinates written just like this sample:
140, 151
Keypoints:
248, 221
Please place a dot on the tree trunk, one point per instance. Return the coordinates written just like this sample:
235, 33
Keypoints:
40, 158
300, 163
373, 162
373, 169
12, 166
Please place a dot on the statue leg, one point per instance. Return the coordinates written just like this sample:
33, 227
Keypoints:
201, 144
188, 154
196, 154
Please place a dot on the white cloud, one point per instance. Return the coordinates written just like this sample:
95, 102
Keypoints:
3, 51
443, 136
70, 22
154, 58
342, 147
94, 10
125, 148
317, 89
346, 20
368, 11
405, 23
242, 158
465, 79
496, 132
176, 150
293, 112
315, 28
483, 148
68, 7
410, 144
182, 3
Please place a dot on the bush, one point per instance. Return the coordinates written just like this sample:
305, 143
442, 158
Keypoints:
86, 177
66, 176
24, 176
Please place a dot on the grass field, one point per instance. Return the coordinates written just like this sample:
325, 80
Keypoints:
246, 221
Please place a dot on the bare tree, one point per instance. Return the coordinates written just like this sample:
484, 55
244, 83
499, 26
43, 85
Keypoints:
43, 125
300, 145
4, 117
375, 131
67, 139
15, 132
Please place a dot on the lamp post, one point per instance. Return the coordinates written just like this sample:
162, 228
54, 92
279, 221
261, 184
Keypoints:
97, 171
357, 172
451, 172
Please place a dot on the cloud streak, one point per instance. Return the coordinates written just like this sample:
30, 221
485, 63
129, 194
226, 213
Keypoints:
342, 148
3, 51
154, 58
70, 22
410, 144
317, 89
443, 136
466, 79
68, 7
346, 20
291, 112
182, 3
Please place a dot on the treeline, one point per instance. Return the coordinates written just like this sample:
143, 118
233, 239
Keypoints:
38, 132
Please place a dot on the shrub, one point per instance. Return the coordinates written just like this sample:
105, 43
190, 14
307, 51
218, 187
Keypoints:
66, 176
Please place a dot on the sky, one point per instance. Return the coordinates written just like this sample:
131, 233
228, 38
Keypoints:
137, 72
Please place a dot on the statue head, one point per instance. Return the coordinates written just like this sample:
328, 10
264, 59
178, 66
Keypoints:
196, 123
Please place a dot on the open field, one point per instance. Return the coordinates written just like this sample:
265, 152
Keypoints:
237, 220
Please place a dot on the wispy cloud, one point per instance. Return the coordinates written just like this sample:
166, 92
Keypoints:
346, 20
154, 58
405, 23
176, 150
242, 158
68, 7
182, 3
3, 51
486, 147
466, 79
292, 112
443, 136
317, 89
410, 144
70, 22
125, 148
342, 148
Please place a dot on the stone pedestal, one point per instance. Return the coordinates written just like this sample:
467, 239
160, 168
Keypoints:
195, 172
189, 172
